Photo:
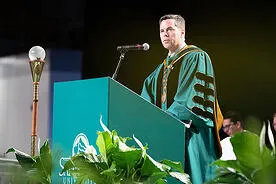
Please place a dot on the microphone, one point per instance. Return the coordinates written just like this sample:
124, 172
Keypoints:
125, 48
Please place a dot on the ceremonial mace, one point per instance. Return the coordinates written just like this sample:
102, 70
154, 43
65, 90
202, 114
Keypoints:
36, 55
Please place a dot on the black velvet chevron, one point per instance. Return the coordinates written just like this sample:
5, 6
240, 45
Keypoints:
205, 114
205, 103
207, 92
204, 77
204, 89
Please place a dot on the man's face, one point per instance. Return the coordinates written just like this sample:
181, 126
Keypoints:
230, 128
170, 35
274, 122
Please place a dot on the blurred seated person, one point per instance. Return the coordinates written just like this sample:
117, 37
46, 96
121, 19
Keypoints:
232, 123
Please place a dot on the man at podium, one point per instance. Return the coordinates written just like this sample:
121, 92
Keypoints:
184, 86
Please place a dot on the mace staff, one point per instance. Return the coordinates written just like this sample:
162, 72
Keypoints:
36, 55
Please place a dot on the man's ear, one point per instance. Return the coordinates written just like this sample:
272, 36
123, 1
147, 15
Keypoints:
238, 124
183, 33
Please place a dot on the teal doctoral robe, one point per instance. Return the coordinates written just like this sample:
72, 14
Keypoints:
191, 96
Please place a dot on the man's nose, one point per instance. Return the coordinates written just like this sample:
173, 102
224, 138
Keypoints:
165, 33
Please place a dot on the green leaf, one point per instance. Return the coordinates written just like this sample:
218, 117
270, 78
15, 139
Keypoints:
234, 164
235, 167
266, 175
127, 159
176, 166
185, 178
228, 176
81, 168
148, 167
103, 142
44, 161
110, 171
262, 138
156, 176
25, 160
35, 176
38, 168
247, 150
150, 162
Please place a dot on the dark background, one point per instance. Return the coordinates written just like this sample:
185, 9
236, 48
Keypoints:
238, 35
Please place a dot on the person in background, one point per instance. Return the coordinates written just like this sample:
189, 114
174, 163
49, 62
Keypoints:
273, 127
183, 85
232, 123
274, 121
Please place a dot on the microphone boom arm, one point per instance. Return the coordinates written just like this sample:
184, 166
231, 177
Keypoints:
122, 56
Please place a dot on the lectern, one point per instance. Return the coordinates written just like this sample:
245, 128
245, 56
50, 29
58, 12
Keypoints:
78, 106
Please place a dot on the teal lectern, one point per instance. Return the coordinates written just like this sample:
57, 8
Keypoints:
78, 107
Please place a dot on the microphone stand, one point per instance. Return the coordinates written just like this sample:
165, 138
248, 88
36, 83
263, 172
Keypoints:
119, 64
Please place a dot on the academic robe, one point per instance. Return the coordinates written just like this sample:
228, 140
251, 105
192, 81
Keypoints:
190, 97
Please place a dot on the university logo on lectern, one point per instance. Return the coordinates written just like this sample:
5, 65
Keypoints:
80, 144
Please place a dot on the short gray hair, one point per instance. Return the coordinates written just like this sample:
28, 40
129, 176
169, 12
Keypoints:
179, 20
